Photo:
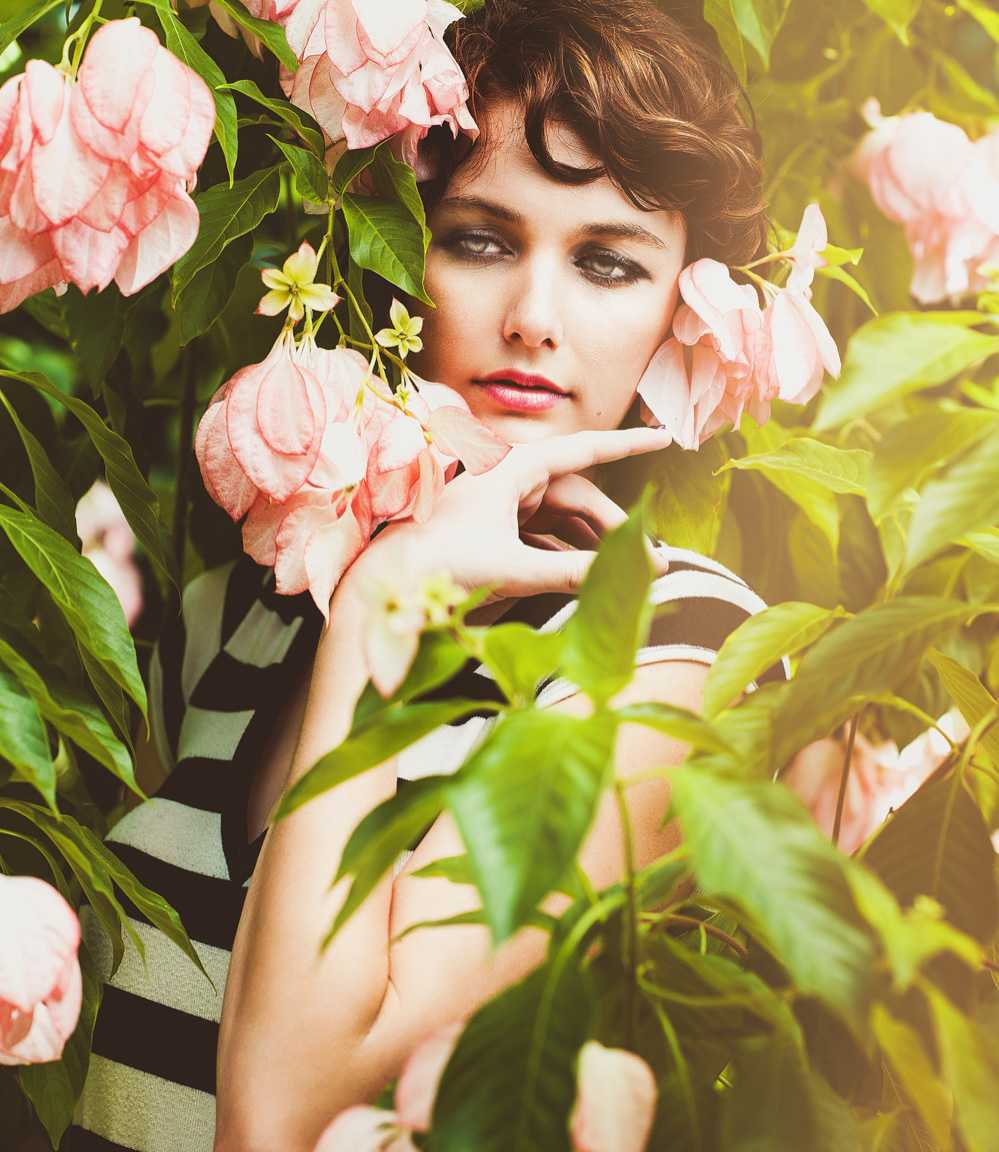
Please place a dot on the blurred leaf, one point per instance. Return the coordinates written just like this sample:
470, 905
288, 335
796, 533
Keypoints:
613, 612
438, 659
524, 802
795, 891
987, 16
838, 469
96, 326
897, 14
184, 46
55, 1088
269, 31
225, 214
834, 272
915, 447
965, 93
970, 695
83, 596
371, 743
511, 1080
966, 496
937, 844
720, 14
11, 29
457, 869
520, 658
385, 239
137, 500
969, 1054
678, 723
299, 121
865, 656
984, 543
52, 498
893, 355
377, 842
23, 739
759, 22
836, 1126
208, 292
760, 642
911, 1064
311, 180
769, 1106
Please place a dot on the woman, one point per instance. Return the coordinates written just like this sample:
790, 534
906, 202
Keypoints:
611, 154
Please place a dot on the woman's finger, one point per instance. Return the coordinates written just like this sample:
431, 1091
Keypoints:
537, 462
578, 497
567, 530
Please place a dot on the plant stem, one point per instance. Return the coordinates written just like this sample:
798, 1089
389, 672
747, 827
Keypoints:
693, 922
632, 916
185, 434
841, 798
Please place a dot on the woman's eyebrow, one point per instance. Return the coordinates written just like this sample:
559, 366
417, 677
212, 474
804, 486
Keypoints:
625, 232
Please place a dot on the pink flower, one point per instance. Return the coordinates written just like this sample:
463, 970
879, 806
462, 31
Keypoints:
805, 254
109, 543
928, 176
793, 350
40, 983
95, 171
372, 69
365, 1129
615, 1101
277, 11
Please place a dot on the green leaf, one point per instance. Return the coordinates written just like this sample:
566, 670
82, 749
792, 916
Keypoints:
95, 323
795, 890
984, 13
311, 180
510, 1082
612, 618
350, 165
184, 46
55, 1088
376, 843
838, 469
969, 1054
52, 498
966, 496
23, 739
110, 694
137, 500
984, 543
834, 272
872, 653
208, 292
225, 214
301, 122
82, 595
759, 22
896, 354
374, 741
769, 1105
271, 33
897, 14
520, 657
11, 29
970, 695
720, 14
385, 239
937, 844
359, 314
524, 803
457, 869
910, 1063
397, 181
676, 722
438, 659
912, 449
760, 642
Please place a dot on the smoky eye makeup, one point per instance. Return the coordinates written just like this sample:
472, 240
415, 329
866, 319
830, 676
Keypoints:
610, 268
472, 244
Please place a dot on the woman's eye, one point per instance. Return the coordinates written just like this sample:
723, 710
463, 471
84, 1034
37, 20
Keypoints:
611, 269
474, 244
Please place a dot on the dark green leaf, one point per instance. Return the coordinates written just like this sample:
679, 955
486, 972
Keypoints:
96, 327
385, 239
201, 303
970, 695
23, 740
137, 500
11, 29
372, 742
269, 31
397, 181
720, 14
795, 889
225, 214
838, 469
301, 122
350, 165
611, 620
52, 497
670, 720
893, 355
360, 317
82, 595
510, 1082
311, 180
769, 1109
520, 657
524, 803
184, 46
109, 693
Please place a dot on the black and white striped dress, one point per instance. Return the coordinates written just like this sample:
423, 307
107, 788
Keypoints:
217, 689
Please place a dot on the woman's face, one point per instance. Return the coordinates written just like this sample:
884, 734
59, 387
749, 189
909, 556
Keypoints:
551, 299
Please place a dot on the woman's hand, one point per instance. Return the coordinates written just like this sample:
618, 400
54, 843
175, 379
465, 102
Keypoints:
482, 527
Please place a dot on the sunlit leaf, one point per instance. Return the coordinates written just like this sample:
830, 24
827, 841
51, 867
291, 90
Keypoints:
969, 1053
385, 239
519, 657
838, 469
897, 14
970, 695
911, 1064
720, 14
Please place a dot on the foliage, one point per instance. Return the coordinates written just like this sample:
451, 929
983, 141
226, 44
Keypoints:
795, 998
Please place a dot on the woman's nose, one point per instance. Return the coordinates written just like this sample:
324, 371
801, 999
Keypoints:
534, 311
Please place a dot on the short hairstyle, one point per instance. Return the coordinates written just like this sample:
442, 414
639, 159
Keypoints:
657, 108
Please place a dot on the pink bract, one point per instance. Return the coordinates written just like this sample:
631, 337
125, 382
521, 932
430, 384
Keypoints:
615, 1101
40, 983
95, 172
365, 1129
109, 543
421, 1075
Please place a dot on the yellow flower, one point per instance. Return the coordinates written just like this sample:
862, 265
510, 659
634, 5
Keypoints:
404, 333
293, 287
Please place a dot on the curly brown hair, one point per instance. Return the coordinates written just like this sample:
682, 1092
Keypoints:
657, 108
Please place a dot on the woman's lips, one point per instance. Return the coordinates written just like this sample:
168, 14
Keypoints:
521, 391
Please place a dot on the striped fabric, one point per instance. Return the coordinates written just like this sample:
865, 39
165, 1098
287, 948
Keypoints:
217, 689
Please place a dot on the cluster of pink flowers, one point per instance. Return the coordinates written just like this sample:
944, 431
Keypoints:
95, 170
727, 355
615, 1102
928, 176
41, 987
316, 452
277, 11
371, 69
109, 542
